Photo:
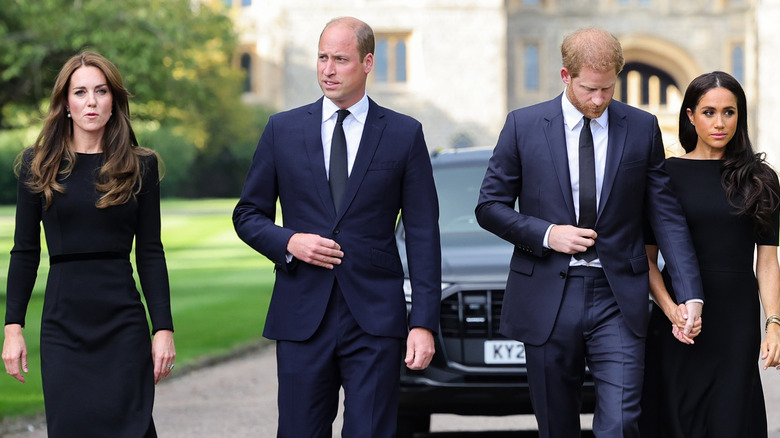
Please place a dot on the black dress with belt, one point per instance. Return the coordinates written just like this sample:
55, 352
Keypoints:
96, 361
712, 388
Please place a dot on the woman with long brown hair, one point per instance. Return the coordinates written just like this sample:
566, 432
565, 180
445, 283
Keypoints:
96, 191
708, 385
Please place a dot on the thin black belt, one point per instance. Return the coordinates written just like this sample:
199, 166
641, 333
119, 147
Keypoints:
585, 271
77, 257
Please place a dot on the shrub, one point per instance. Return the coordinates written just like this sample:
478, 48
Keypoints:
12, 142
177, 154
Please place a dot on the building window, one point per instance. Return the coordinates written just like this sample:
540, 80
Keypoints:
646, 86
246, 66
738, 62
391, 58
531, 67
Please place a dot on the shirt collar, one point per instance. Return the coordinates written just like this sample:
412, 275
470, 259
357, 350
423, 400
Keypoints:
359, 110
572, 116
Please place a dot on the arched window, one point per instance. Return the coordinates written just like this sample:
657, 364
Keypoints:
642, 84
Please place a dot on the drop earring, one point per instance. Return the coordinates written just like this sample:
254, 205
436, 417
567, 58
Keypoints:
68, 114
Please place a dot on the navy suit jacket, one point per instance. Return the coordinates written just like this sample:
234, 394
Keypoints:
530, 166
391, 174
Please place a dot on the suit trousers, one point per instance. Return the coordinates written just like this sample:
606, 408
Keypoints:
339, 354
589, 329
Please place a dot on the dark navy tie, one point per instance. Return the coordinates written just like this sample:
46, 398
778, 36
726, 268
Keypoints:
587, 217
338, 174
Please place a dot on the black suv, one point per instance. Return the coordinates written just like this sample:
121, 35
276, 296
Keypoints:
476, 370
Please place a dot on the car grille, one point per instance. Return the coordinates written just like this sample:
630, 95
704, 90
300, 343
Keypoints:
472, 314
468, 319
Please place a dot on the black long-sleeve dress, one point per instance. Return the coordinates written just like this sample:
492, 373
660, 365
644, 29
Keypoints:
96, 362
712, 388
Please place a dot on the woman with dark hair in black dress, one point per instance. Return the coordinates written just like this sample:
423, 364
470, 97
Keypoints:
708, 384
96, 192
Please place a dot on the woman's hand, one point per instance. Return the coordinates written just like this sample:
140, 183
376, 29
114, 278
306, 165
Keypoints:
678, 320
15, 352
770, 347
163, 354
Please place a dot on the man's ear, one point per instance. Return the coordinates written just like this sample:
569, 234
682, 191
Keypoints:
565, 76
368, 63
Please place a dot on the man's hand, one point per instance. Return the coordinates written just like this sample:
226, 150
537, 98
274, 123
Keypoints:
419, 348
678, 318
314, 249
569, 239
692, 314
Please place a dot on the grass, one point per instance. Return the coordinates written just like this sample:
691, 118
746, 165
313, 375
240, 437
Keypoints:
220, 289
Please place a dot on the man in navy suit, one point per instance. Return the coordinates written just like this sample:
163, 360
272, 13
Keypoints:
338, 312
577, 291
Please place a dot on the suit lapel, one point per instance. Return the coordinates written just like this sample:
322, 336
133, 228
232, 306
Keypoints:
312, 133
369, 141
556, 140
616, 143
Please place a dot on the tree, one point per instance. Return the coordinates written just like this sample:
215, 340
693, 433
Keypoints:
174, 55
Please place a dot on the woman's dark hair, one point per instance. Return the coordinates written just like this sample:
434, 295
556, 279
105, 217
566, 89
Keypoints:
750, 183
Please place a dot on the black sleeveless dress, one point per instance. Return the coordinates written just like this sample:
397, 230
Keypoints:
96, 361
712, 388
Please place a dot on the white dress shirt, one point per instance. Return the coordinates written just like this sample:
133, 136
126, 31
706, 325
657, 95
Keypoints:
572, 124
353, 129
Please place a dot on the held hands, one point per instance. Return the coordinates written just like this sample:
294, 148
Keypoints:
314, 249
686, 321
419, 349
15, 352
569, 239
163, 354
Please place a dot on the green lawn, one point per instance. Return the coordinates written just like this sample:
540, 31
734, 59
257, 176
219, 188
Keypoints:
220, 290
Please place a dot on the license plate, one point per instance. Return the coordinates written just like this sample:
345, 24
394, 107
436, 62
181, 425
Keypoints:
504, 352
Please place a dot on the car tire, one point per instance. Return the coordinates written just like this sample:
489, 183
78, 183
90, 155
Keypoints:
410, 424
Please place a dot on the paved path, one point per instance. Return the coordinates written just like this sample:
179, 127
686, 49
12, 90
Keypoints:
236, 398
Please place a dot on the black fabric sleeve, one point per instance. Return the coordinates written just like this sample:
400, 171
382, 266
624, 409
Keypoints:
149, 253
26, 252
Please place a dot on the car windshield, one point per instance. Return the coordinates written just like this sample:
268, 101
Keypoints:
458, 189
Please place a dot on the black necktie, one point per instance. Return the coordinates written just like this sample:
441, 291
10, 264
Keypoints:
338, 174
587, 217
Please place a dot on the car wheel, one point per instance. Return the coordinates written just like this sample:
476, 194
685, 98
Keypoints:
409, 424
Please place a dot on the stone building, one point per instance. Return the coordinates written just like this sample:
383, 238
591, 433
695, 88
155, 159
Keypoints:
459, 66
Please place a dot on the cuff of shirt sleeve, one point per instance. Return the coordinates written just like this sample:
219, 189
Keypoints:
546, 241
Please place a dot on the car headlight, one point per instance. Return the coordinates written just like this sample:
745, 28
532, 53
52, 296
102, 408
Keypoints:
408, 289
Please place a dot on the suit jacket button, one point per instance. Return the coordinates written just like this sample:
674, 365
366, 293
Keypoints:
562, 274
336, 231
